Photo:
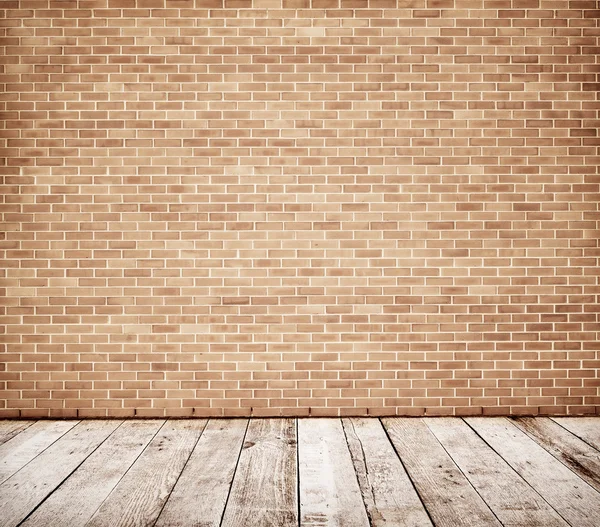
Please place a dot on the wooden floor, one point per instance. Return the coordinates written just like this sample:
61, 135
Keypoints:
308, 472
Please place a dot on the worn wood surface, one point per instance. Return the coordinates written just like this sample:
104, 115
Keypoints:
580, 457
201, 493
574, 499
140, 496
585, 428
23, 491
351, 472
447, 494
264, 491
9, 429
24, 447
511, 499
387, 491
88, 487
329, 491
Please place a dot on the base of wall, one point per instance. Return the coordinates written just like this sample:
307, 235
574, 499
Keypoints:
145, 413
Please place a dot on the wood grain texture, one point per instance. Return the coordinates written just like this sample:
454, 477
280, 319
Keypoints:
447, 494
580, 457
518, 472
201, 492
20, 450
511, 499
585, 428
140, 496
574, 499
9, 429
86, 489
387, 491
264, 489
329, 492
21, 493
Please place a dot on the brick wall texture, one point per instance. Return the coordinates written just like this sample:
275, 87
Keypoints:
299, 207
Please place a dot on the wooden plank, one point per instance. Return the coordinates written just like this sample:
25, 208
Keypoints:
449, 497
511, 499
585, 428
20, 450
387, 491
201, 492
9, 429
329, 491
580, 457
264, 490
140, 496
21, 493
575, 500
76, 500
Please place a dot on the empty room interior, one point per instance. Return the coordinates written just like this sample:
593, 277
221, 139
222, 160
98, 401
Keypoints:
299, 263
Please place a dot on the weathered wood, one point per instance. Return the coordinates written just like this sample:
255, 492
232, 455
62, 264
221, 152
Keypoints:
449, 497
9, 429
585, 428
140, 496
264, 490
22, 492
580, 457
511, 499
329, 491
76, 500
574, 499
201, 492
20, 450
387, 491
113, 473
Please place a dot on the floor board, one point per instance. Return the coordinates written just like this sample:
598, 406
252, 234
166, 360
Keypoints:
92, 482
9, 429
387, 491
201, 492
511, 499
585, 428
350, 472
329, 491
27, 488
576, 454
573, 498
21, 449
264, 491
448, 495
140, 496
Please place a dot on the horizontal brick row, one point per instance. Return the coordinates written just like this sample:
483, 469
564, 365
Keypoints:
70, 5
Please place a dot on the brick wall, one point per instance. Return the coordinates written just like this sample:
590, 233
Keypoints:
286, 207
